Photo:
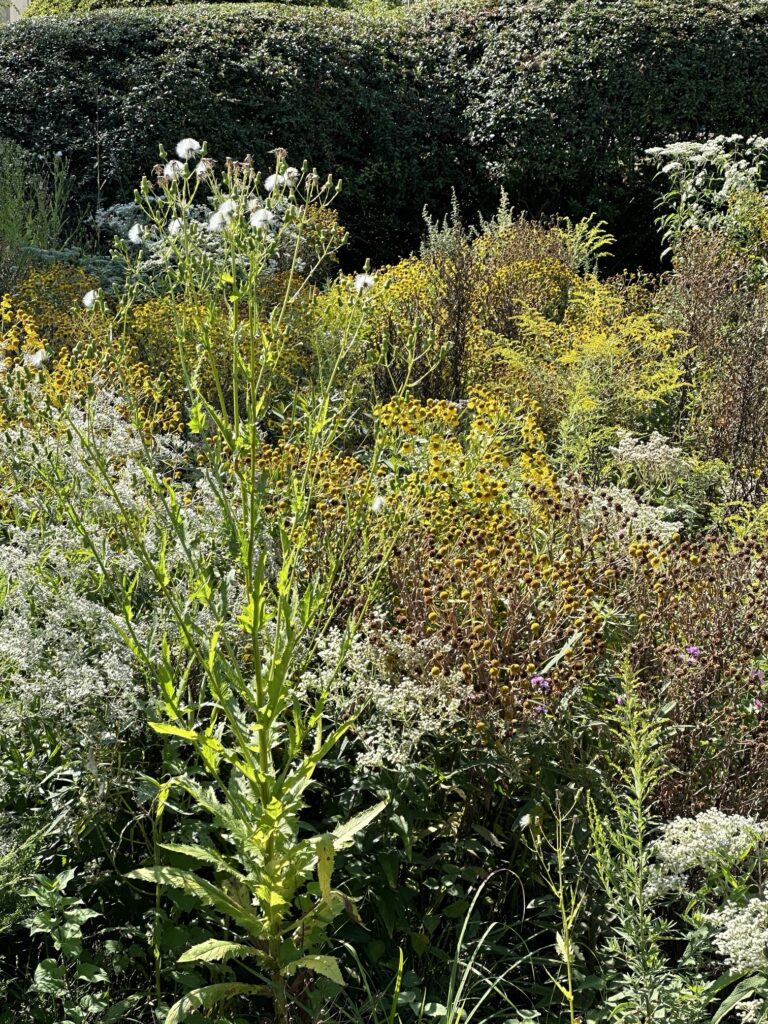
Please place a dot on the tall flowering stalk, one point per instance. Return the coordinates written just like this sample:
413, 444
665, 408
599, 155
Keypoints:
239, 745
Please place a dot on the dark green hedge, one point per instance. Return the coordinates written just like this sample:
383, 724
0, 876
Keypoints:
37, 8
554, 100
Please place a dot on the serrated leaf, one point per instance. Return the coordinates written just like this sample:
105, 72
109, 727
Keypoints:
205, 998
204, 855
343, 835
216, 950
327, 966
209, 894
165, 729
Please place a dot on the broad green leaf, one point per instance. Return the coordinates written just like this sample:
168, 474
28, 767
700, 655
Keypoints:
344, 834
328, 966
214, 950
51, 978
205, 998
117, 1011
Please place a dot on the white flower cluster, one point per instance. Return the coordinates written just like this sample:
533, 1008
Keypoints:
658, 520
752, 1011
655, 460
707, 841
384, 683
741, 936
706, 175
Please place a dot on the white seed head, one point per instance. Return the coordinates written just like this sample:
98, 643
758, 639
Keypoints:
174, 228
90, 298
217, 222
172, 170
136, 234
187, 148
262, 219
273, 181
363, 282
227, 208
35, 359
292, 175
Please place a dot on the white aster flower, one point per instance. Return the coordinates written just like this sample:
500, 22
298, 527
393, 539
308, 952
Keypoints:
187, 148
90, 298
363, 282
262, 219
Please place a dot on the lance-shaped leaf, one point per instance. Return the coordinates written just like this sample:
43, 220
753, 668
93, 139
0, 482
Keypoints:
343, 835
205, 998
211, 895
328, 966
217, 950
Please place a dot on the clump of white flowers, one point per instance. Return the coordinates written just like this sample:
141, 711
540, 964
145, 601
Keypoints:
219, 221
618, 505
706, 177
654, 458
384, 683
741, 934
707, 841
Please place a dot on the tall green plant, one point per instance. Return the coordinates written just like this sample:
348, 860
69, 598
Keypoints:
642, 985
240, 750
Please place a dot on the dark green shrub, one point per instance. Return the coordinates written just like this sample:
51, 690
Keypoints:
44, 7
554, 100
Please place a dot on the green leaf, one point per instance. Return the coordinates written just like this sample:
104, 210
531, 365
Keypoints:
215, 950
325, 865
210, 895
344, 834
204, 998
51, 978
91, 972
117, 1011
173, 730
328, 966
205, 855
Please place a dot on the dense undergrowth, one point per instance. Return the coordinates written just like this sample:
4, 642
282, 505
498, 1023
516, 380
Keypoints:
385, 647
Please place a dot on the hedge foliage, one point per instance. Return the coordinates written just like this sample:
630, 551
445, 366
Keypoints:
37, 8
554, 100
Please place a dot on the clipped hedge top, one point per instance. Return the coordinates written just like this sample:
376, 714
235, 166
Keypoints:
37, 8
554, 99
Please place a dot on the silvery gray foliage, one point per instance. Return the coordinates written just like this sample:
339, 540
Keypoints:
64, 667
62, 653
